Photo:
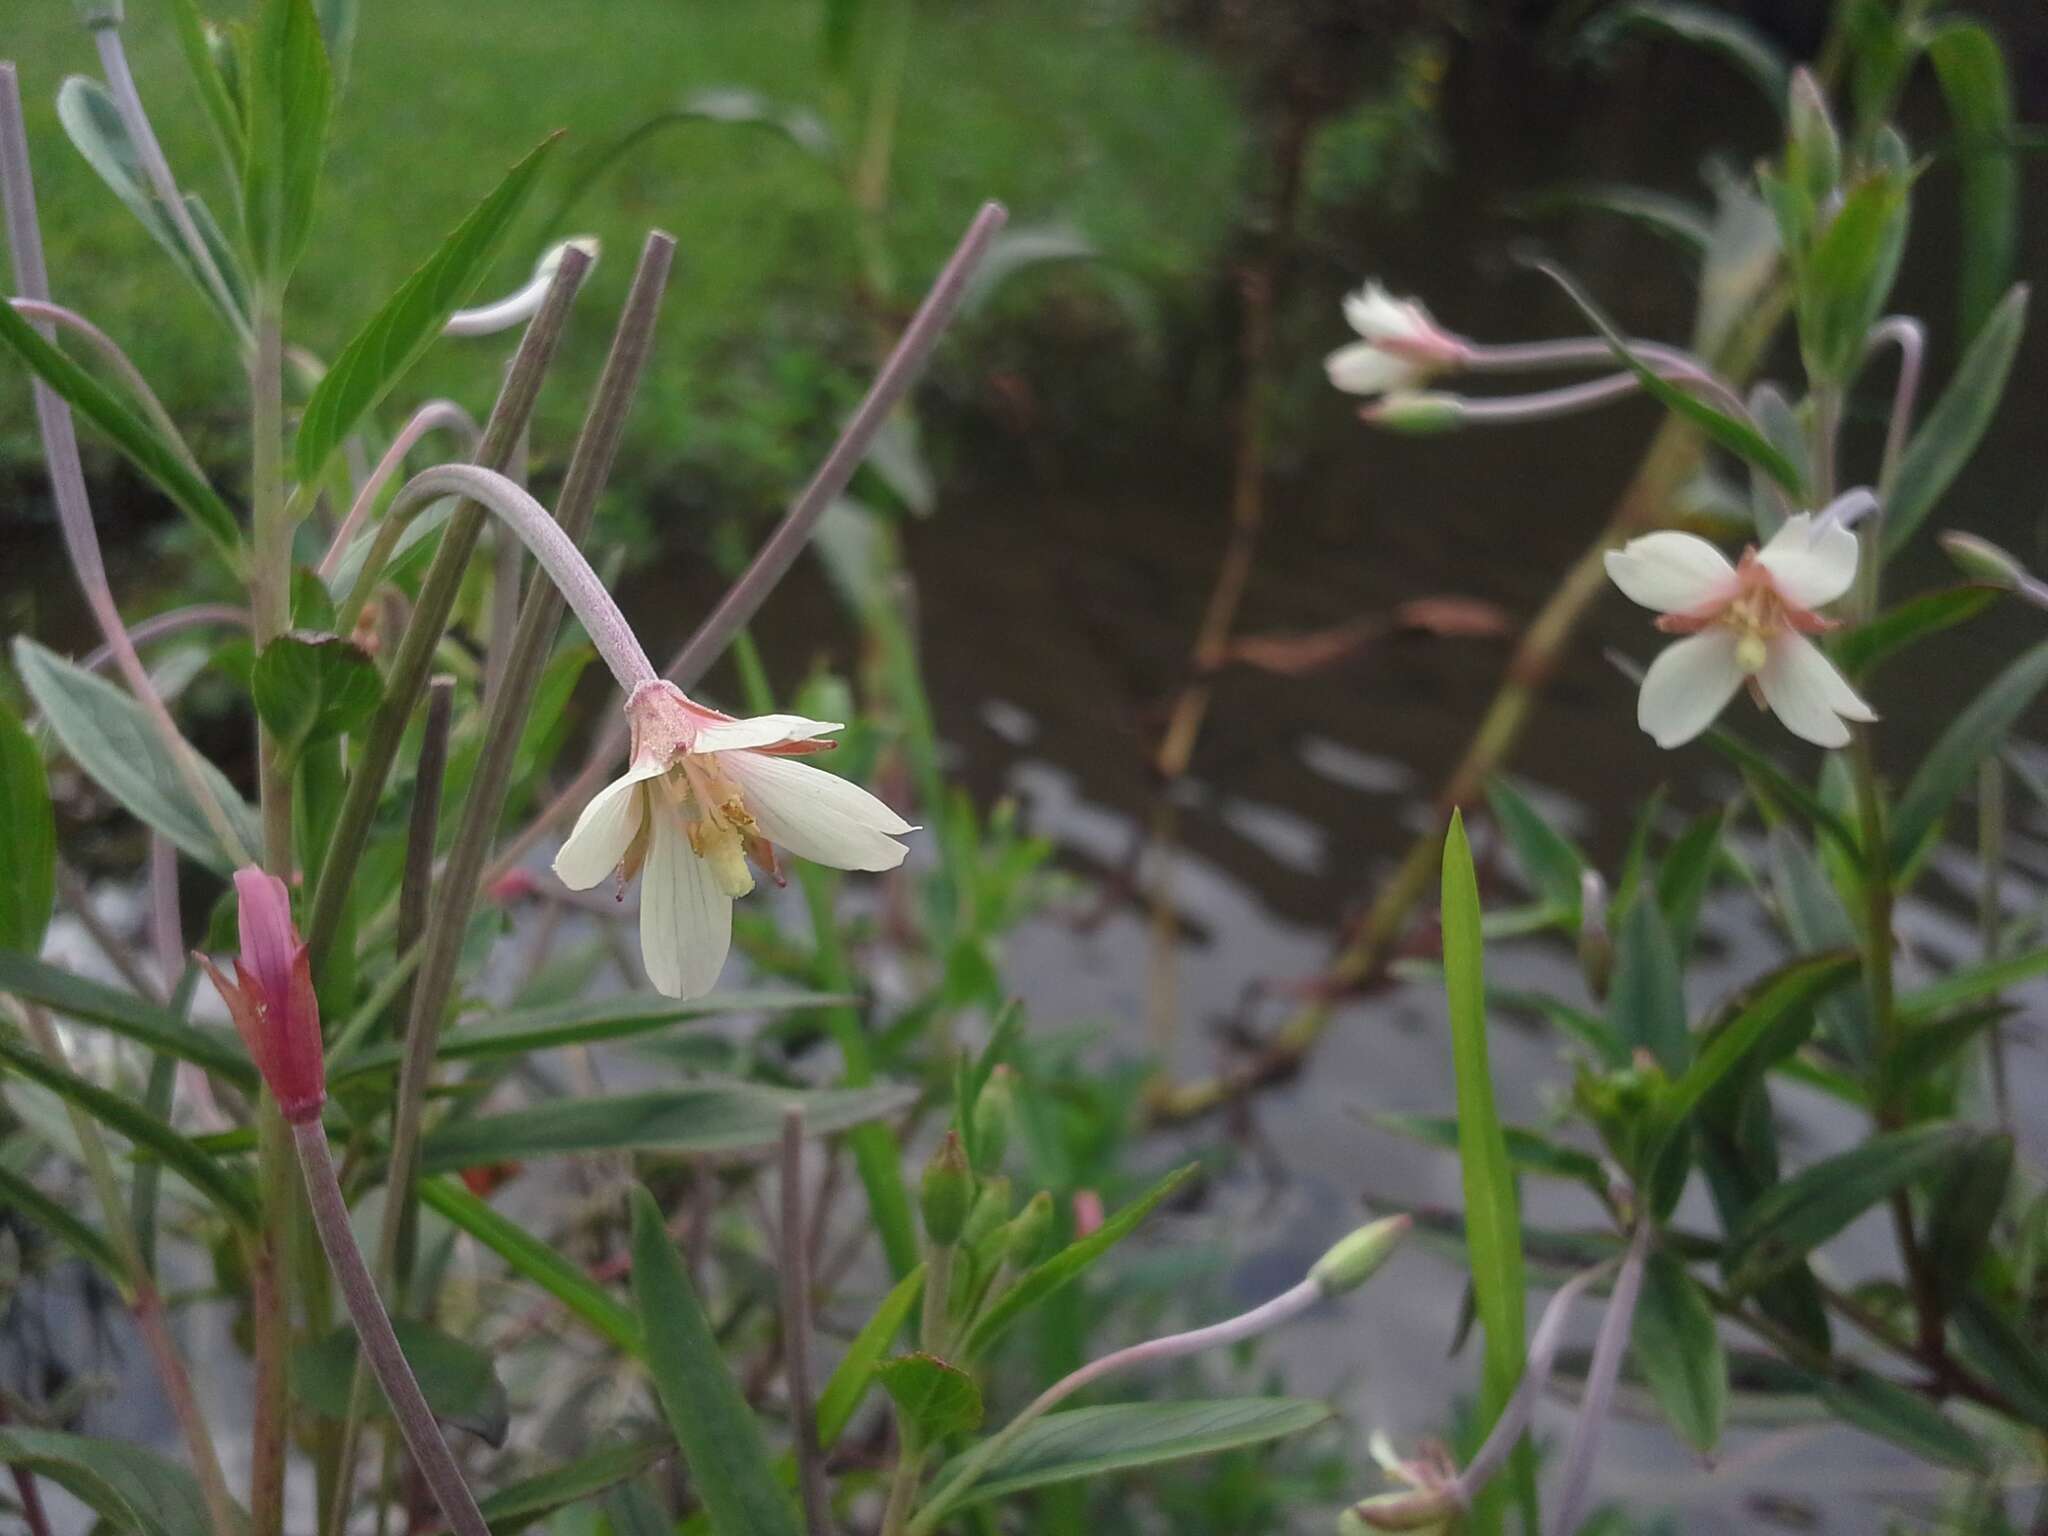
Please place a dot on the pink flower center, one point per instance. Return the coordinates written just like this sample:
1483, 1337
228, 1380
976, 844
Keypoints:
1754, 608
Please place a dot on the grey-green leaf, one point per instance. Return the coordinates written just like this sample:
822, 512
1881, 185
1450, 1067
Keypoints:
131, 1487
1895, 1413
1971, 68
515, 1504
720, 1438
110, 738
1646, 1000
1095, 1442
1972, 735
381, 352
1680, 1353
28, 831
1550, 864
125, 1014
459, 1380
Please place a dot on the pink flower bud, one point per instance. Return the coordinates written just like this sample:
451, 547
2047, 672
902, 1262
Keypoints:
515, 885
1087, 1212
272, 999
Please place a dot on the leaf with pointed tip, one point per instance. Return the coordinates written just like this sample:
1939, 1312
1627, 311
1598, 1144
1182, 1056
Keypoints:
850, 1380
1884, 1408
110, 738
516, 1504
1680, 1354
1978, 87
60, 1221
1551, 866
290, 94
935, 1399
1704, 27
1973, 734
459, 1380
1908, 623
377, 357
2013, 1360
129, 1486
125, 1014
1675, 219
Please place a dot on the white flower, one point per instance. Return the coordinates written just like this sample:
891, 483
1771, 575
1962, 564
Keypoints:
705, 793
1744, 623
1402, 346
518, 307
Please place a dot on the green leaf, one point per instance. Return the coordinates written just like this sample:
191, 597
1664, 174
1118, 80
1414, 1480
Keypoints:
1804, 1211
1064, 1267
133, 1488
1943, 443
1967, 984
1963, 1210
459, 1380
1972, 70
1738, 437
144, 447
290, 93
1493, 1231
1551, 866
1527, 1150
28, 831
382, 351
222, 114
1680, 1354
936, 1400
630, 1510
1927, 1047
338, 29
312, 687
38, 1209
1675, 219
230, 1191
1848, 275
1768, 782
1910, 622
1646, 1001
1703, 27
1900, 1415
93, 124
1685, 875
110, 738
521, 1031
698, 1118
125, 1014
1973, 735
1813, 914
708, 1414
592, 1473
535, 1261
1994, 1343
1093, 1442
856, 1369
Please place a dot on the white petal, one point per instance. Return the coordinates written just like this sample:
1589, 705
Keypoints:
1378, 316
1811, 563
1687, 685
759, 731
1364, 369
1671, 572
1806, 692
818, 815
685, 919
604, 831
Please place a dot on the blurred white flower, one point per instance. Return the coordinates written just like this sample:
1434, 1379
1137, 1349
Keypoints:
704, 793
1402, 347
1744, 623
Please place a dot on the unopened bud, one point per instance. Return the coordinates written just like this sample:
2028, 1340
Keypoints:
1419, 412
947, 1194
1357, 1258
1025, 1237
994, 1113
1416, 1511
271, 998
1983, 561
1816, 147
991, 1210
1596, 944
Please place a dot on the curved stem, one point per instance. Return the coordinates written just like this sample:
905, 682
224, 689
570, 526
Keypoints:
111, 354
1543, 406
373, 1327
1669, 362
1910, 337
433, 416
174, 621
552, 549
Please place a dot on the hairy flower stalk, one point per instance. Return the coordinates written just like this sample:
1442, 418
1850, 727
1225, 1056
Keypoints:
435, 415
278, 1018
1746, 624
1348, 1265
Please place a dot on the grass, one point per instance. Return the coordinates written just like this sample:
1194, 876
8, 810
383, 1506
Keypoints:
1069, 111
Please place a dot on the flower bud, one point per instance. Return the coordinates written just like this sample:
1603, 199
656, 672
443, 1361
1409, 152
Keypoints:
1816, 149
991, 1210
1356, 1259
1024, 1239
1983, 561
947, 1195
1408, 1511
994, 1114
1418, 412
1088, 1213
271, 998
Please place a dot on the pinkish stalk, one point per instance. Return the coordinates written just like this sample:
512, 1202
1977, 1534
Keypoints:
415, 1419
552, 549
1601, 1376
175, 621
67, 474
1910, 337
435, 415
111, 354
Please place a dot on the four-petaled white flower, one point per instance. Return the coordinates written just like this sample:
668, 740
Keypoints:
706, 792
1402, 346
1744, 623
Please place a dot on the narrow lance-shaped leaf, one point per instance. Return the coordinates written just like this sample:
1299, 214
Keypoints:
381, 352
125, 1014
1493, 1231
290, 93
1973, 735
158, 461
1704, 27
1680, 1353
545, 1492
1646, 1001
28, 831
1910, 622
59, 1221
1974, 79
129, 1486
720, 1438
1549, 861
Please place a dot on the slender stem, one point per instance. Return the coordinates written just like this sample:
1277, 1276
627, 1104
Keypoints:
903, 1481
270, 1321
78, 897
1991, 912
1910, 337
1545, 405
776, 556
28, 1494
67, 474
1289, 1304
176, 621
128, 104
373, 1327
435, 415
796, 1331
413, 656
1601, 1376
123, 366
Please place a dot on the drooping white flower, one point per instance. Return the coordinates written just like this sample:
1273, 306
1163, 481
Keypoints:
704, 794
1744, 623
1402, 347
